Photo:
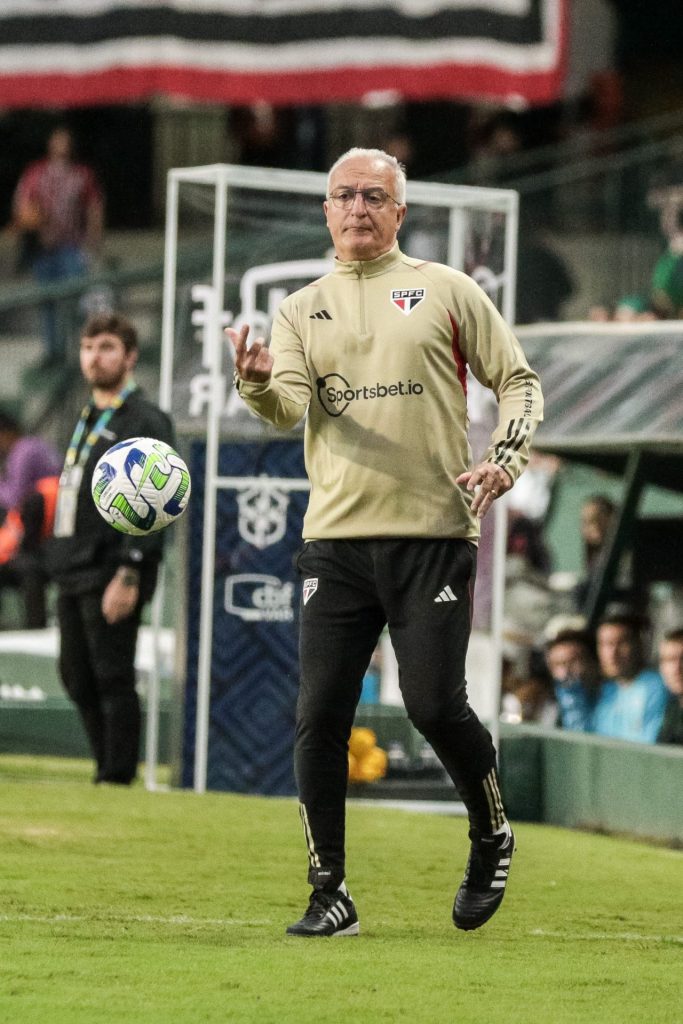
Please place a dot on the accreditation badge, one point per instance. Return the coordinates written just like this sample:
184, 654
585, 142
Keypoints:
67, 500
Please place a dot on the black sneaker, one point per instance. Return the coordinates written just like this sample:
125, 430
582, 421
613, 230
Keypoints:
483, 886
329, 913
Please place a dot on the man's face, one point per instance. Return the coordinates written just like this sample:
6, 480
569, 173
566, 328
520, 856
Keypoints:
595, 522
671, 665
105, 364
359, 233
618, 652
59, 145
569, 661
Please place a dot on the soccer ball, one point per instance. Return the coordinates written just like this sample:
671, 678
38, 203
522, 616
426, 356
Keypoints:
140, 485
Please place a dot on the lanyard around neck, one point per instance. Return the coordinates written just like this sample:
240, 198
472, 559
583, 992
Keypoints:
77, 453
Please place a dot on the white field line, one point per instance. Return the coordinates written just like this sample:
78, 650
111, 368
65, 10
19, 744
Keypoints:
183, 920
176, 919
605, 936
446, 807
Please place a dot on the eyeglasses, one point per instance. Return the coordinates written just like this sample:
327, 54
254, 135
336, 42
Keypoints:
374, 198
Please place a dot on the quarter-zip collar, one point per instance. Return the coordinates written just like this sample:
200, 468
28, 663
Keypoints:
369, 268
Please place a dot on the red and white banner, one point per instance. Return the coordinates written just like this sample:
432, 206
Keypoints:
83, 52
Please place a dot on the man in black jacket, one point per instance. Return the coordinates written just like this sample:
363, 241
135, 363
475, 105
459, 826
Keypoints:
104, 577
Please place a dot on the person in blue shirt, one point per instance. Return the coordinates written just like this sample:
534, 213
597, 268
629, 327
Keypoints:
632, 697
571, 661
671, 667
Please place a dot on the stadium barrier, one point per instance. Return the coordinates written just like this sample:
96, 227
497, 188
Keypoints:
560, 778
53, 728
570, 779
577, 780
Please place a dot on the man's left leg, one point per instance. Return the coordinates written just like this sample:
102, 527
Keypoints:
112, 654
427, 591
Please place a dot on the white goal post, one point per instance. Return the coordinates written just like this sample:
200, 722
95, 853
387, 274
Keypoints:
471, 229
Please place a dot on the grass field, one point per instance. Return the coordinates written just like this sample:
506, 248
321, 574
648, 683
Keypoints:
160, 908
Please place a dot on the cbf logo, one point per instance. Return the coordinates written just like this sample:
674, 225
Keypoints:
406, 299
262, 515
254, 597
336, 393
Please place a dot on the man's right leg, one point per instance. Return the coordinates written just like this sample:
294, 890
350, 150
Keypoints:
77, 674
341, 621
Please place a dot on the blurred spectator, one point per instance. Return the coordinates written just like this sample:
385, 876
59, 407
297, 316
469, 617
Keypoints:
24, 459
598, 518
667, 275
629, 309
495, 136
572, 664
544, 282
633, 309
22, 538
58, 210
372, 680
671, 667
266, 136
632, 697
528, 693
527, 512
30, 468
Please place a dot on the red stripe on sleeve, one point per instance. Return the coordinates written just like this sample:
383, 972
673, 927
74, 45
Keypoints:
458, 357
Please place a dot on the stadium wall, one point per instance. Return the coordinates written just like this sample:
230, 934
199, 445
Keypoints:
559, 778
574, 780
581, 781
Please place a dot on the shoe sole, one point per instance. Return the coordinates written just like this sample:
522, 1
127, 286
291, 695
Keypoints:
466, 926
353, 929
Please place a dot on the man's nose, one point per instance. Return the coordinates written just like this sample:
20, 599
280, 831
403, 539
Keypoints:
358, 204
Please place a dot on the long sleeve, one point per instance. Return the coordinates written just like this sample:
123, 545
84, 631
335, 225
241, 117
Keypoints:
498, 362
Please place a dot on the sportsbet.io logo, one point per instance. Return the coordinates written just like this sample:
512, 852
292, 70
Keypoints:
336, 394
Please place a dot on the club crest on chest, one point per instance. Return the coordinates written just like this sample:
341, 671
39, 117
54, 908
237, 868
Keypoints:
406, 299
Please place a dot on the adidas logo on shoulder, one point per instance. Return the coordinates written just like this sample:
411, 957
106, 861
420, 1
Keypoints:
445, 595
322, 314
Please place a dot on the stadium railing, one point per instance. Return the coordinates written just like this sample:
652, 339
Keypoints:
594, 195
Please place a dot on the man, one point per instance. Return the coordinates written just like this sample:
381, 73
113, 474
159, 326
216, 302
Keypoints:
104, 577
392, 520
571, 662
59, 203
632, 698
671, 667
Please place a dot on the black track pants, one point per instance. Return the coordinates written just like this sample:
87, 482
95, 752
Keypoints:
423, 590
97, 666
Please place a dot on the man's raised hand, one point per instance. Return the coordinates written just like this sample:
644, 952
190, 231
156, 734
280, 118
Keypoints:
254, 363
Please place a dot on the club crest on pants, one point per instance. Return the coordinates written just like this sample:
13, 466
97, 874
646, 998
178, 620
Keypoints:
310, 587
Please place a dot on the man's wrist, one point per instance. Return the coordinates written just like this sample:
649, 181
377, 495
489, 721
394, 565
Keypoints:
128, 577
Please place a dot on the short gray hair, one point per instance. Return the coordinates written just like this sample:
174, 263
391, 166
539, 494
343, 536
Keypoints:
376, 154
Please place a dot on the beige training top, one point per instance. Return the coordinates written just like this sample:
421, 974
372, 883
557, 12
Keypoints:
377, 353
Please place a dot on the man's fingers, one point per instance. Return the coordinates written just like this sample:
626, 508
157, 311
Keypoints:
487, 482
238, 338
253, 363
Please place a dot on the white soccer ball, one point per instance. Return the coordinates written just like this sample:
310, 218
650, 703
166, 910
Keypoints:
140, 485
